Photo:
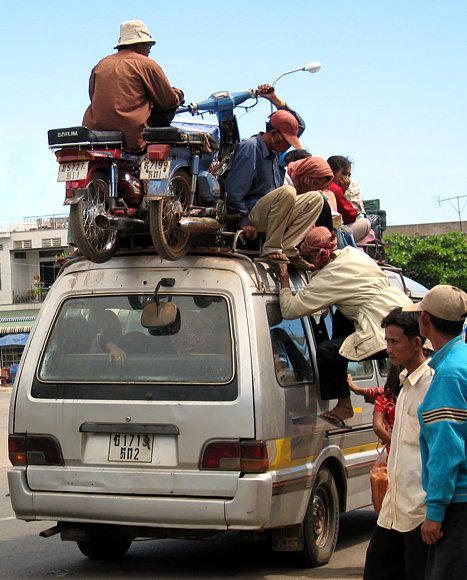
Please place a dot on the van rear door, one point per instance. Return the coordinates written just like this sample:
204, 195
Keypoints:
133, 409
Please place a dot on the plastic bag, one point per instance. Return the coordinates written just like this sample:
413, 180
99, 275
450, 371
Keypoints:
379, 479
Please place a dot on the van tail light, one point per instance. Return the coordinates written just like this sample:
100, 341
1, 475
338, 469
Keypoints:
158, 152
27, 450
245, 456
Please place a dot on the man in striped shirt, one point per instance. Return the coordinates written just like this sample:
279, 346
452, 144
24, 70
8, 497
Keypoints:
443, 433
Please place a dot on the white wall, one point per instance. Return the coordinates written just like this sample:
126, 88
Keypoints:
17, 275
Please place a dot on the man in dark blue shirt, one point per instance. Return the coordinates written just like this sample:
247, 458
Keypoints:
255, 188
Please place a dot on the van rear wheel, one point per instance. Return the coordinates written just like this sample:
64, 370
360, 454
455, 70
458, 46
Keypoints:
104, 548
321, 522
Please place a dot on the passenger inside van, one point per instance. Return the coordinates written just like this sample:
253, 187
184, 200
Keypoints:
289, 363
108, 335
359, 288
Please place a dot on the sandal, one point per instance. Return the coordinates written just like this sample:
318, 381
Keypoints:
300, 263
277, 257
334, 420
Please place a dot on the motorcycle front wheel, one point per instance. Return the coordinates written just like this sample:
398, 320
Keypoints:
93, 243
170, 241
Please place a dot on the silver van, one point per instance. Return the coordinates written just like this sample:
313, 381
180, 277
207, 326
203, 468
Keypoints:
121, 428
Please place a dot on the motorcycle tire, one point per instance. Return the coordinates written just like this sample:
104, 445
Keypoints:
170, 241
93, 243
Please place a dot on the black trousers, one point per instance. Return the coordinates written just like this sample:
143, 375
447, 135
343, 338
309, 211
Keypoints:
332, 368
393, 555
447, 559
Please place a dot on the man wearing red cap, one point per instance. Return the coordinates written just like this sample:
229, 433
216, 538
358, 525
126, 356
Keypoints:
255, 188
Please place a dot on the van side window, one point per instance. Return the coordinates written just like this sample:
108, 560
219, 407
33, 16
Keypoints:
361, 369
292, 361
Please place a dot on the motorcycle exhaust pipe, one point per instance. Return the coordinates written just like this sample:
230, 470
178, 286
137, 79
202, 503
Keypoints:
121, 224
202, 225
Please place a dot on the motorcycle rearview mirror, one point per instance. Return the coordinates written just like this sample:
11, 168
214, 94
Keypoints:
159, 316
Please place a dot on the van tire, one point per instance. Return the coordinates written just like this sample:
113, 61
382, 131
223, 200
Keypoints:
321, 522
104, 548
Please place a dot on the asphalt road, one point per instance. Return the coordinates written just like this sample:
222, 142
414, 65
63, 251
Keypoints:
23, 554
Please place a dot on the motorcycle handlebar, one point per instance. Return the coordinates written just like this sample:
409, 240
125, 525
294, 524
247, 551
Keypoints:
220, 101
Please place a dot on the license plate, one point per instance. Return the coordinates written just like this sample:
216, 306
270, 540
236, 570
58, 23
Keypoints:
131, 447
154, 169
75, 171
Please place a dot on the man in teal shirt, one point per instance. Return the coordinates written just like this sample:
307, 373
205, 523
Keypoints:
443, 433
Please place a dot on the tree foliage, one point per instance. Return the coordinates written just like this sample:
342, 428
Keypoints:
430, 260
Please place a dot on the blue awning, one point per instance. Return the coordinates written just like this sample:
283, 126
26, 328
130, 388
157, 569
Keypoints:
14, 339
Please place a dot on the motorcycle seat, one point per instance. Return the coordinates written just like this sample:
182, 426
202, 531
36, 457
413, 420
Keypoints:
83, 136
176, 136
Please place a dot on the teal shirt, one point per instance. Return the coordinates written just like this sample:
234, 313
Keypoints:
443, 430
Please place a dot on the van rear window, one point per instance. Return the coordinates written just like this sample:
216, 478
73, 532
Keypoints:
98, 348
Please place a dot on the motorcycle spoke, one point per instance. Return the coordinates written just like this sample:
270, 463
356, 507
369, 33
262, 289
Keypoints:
95, 205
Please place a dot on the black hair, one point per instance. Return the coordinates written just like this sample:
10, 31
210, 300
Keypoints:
450, 328
392, 386
408, 321
296, 155
338, 162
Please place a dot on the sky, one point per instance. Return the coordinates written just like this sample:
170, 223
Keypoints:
391, 93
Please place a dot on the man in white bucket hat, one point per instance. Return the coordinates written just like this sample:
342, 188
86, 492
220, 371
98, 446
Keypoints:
130, 91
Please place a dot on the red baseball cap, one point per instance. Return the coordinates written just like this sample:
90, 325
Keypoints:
287, 124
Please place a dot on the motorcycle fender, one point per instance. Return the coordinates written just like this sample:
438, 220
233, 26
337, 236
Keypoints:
159, 188
73, 196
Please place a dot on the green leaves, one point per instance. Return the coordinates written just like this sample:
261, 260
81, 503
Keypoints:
431, 260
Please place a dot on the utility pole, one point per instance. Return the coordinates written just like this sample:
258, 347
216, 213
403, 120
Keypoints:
456, 206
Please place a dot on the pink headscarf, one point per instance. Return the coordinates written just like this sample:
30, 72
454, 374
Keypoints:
319, 246
309, 167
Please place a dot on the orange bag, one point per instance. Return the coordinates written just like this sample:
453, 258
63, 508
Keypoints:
379, 480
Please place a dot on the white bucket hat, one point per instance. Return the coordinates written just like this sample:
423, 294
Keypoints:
134, 32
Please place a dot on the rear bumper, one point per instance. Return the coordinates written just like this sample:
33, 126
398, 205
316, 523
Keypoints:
250, 509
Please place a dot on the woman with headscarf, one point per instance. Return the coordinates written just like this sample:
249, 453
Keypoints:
317, 174
312, 174
352, 282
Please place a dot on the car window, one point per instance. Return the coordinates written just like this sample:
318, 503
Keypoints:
292, 361
100, 340
360, 369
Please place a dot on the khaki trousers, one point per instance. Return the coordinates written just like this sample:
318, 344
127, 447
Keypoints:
285, 218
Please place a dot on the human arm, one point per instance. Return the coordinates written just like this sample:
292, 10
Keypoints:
379, 427
431, 531
355, 388
372, 394
250, 232
344, 206
266, 91
115, 353
316, 296
161, 94
284, 276
443, 425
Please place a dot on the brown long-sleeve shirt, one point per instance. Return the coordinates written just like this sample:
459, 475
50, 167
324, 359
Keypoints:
124, 87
